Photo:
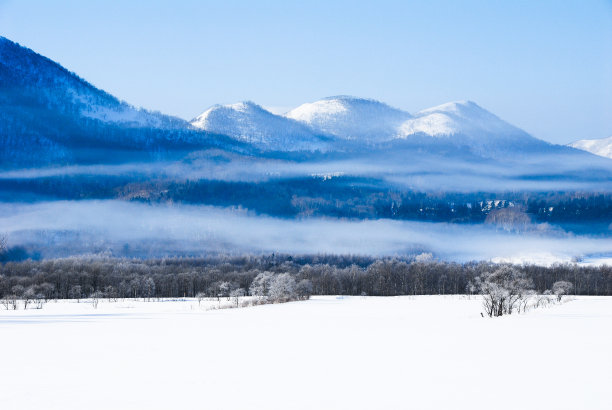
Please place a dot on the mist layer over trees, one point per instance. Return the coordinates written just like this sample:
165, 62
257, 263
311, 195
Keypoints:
346, 197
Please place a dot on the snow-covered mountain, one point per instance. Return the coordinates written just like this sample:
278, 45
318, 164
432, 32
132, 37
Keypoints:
251, 123
461, 124
466, 124
351, 118
459, 117
23, 69
49, 115
601, 147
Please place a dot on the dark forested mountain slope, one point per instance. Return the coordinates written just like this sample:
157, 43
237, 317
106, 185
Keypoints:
49, 115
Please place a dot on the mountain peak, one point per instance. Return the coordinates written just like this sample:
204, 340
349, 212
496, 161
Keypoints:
242, 106
350, 117
457, 117
249, 122
462, 108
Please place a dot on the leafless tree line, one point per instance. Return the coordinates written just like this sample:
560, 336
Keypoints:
266, 276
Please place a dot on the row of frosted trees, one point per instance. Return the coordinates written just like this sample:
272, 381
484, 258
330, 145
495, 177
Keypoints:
326, 275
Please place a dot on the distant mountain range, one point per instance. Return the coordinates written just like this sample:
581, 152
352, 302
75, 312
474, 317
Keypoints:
336, 123
340, 157
51, 116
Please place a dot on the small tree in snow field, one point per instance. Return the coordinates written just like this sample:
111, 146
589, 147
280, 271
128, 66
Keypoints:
562, 288
503, 289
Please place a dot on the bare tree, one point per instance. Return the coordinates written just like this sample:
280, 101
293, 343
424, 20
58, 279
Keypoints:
524, 302
111, 293
282, 288
28, 296
236, 294
303, 289
503, 289
224, 289
9, 302
95, 298
75, 293
562, 288
40, 300
148, 288
260, 287
200, 296
47, 290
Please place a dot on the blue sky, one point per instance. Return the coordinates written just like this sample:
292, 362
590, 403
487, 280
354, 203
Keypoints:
545, 66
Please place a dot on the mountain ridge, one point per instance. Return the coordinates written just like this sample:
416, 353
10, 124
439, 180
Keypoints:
251, 123
599, 146
49, 115
52, 116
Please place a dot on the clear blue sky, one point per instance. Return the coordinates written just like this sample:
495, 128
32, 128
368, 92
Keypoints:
545, 66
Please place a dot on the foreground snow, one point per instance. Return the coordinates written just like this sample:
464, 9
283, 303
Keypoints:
427, 352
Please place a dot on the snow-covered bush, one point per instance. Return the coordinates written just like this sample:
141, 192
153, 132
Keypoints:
236, 294
282, 288
260, 286
503, 289
562, 288
303, 289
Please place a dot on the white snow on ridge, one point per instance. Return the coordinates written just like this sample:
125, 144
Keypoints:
461, 117
351, 118
123, 116
601, 147
312, 126
249, 122
370, 121
110, 111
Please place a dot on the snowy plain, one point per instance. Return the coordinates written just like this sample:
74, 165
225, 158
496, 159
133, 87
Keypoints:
424, 352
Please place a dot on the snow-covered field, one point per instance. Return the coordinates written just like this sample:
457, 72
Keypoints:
425, 352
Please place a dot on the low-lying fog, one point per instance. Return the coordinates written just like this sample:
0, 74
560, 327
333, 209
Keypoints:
406, 169
63, 228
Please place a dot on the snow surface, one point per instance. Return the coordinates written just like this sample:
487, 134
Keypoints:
249, 122
460, 117
424, 352
601, 147
348, 117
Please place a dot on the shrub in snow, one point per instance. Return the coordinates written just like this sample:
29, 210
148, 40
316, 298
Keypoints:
200, 296
95, 298
561, 288
503, 289
236, 294
40, 300
303, 289
29, 296
260, 287
9, 302
282, 288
